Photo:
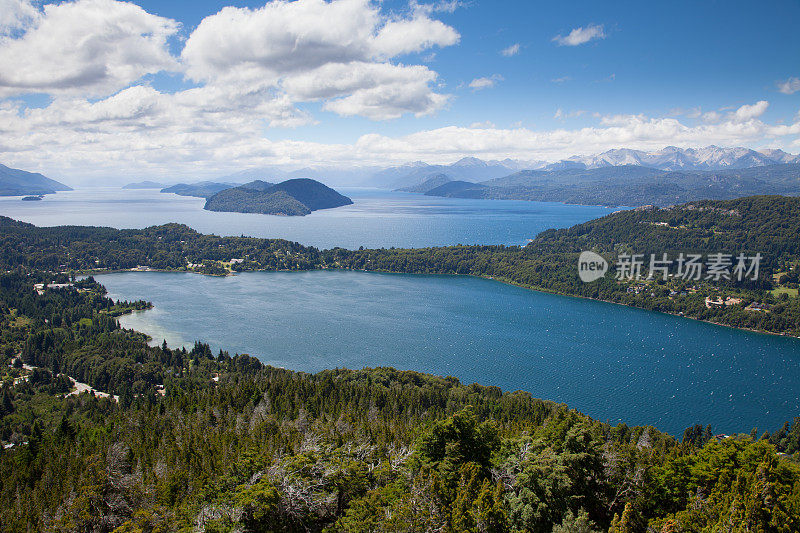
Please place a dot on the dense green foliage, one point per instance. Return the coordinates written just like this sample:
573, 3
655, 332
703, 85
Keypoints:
295, 197
198, 441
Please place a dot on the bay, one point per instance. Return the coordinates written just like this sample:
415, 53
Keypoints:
614, 363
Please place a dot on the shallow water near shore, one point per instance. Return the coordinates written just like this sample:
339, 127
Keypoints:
612, 362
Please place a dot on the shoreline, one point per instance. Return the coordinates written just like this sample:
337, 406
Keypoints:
488, 278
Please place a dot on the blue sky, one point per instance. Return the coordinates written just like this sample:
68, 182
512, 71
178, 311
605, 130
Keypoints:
656, 70
657, 58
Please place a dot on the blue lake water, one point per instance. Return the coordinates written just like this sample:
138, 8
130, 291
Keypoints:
376, 219
612, 362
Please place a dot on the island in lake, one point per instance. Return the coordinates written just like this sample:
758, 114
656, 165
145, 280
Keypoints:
295, 197
33, 198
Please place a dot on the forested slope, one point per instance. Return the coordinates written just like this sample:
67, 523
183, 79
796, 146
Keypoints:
218, 442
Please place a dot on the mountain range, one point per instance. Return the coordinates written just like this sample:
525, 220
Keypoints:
473, 169
673, 158
710, 158
627, 185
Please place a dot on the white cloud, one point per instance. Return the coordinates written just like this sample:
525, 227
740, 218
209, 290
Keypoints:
88, 47
15, 15
561, 114
510, 51
487, 124
581, 35
339, 52
790, 86
485, 83
318, 50
208, 131
376, 91
406, 36
749, 112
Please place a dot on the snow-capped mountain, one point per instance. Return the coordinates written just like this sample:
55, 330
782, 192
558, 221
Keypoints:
674, 158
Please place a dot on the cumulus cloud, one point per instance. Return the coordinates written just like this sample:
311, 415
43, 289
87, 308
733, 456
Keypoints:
749, 112
338, 51
88, 47
510, 51
406, 36
581, 35
15, 15
790, 86
485, 83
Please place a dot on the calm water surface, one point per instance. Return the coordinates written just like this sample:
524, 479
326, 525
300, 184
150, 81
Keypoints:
376, 219
612, 362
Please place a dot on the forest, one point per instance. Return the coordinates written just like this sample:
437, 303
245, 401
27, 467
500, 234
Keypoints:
197, 441
177, 439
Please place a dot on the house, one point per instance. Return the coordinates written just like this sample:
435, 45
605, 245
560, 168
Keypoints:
40, 287
719, 302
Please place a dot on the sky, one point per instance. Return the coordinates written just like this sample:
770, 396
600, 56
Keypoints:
105, 90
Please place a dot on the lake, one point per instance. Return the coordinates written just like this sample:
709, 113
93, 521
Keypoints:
377, 219
611, 362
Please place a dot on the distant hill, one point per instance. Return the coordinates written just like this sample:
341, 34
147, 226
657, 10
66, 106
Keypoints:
203, 189
144, 185
427, 185
630, 185
465, 169
458, 189
14, 182
295, 197
257, 185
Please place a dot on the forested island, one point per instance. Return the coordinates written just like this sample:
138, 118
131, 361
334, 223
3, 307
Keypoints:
295, 197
